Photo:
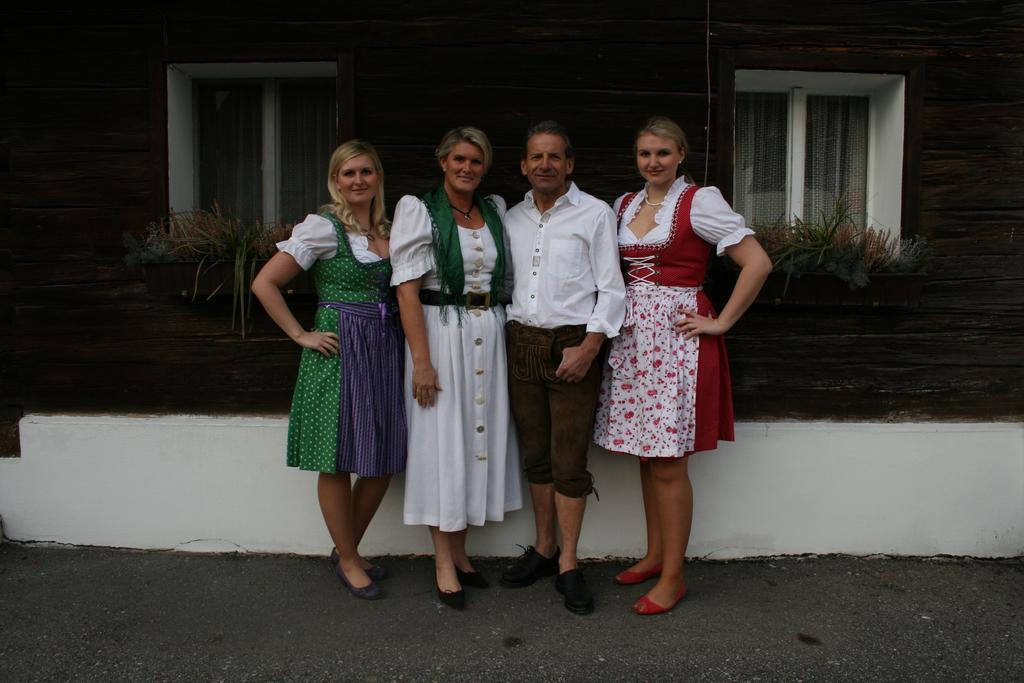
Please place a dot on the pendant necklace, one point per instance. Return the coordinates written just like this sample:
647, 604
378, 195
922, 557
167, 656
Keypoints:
365, 232
467, 214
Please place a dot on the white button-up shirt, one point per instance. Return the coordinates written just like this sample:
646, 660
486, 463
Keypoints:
566, 264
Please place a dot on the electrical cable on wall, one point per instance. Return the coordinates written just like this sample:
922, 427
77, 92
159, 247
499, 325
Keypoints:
707, 65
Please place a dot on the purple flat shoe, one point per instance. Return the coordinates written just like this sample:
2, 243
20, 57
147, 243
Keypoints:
368, 592
375, 572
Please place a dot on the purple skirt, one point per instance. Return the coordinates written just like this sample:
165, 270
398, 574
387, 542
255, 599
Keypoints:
371, 411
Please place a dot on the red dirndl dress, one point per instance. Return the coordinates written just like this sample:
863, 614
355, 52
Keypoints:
663, 396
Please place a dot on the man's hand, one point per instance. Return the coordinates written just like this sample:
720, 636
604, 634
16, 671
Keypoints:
575, 363
576, 360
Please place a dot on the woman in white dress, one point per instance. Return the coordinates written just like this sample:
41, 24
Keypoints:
449, 259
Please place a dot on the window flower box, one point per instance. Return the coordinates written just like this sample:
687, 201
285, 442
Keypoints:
883, 290
193, 280
830, 261
206, 253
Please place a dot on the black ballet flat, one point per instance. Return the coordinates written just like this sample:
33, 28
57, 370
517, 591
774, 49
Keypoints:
375, 571
472, 579
456, 600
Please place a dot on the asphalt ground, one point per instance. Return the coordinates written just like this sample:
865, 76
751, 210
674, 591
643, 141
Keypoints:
85, 614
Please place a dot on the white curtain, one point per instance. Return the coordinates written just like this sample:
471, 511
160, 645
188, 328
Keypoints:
835, 167
759, 189
230, 149
308, 136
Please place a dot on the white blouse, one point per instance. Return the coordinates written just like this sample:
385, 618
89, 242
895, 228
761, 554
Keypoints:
412, 251
315, 238
712, 218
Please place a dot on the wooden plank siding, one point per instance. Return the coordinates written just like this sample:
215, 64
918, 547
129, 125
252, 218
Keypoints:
80, 163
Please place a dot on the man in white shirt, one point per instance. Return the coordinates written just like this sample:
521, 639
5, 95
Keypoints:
568, 297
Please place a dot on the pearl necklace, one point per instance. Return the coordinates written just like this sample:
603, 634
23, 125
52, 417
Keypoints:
648, 202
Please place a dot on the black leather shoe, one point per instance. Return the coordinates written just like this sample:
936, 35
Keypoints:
573, 586
456, 600
472, 579
530, 566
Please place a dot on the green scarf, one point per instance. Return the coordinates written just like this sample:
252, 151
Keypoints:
451, 272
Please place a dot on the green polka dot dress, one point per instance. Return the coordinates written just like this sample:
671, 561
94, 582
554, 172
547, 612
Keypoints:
347, 413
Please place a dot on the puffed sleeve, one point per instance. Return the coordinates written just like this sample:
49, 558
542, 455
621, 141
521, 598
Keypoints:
499, 204
617, 204
412, 254
715, 222
311, 240
502, 208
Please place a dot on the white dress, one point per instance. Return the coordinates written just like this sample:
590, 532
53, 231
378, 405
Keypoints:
463, 465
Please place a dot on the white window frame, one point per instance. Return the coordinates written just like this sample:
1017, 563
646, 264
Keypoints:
885, 93
182, 138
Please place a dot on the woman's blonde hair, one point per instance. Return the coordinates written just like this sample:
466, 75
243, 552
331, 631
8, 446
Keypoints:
465, 134
379, 223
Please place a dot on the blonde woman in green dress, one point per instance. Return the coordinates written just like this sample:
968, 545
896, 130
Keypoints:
347, 413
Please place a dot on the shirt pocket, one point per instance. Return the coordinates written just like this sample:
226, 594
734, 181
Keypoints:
567, 262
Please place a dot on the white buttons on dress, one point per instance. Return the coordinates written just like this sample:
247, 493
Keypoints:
476, 235
480, 400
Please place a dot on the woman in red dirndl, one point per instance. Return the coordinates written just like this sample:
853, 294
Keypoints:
666, 391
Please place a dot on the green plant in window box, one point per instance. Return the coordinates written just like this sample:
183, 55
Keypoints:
831, 261
833, 244
222, 248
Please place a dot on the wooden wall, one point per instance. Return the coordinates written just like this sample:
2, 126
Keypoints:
79, 332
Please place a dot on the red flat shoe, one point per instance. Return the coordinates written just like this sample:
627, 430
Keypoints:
630, 578
645, 606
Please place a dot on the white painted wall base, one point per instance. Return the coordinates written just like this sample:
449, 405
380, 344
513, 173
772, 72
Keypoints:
220, 484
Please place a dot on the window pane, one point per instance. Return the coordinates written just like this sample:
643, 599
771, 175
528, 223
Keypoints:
230, 153
759, 192
308, 136
837, 152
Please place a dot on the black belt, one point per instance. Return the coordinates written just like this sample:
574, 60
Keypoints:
432, 297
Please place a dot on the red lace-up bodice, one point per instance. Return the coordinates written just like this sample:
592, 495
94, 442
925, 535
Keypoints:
679, 261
